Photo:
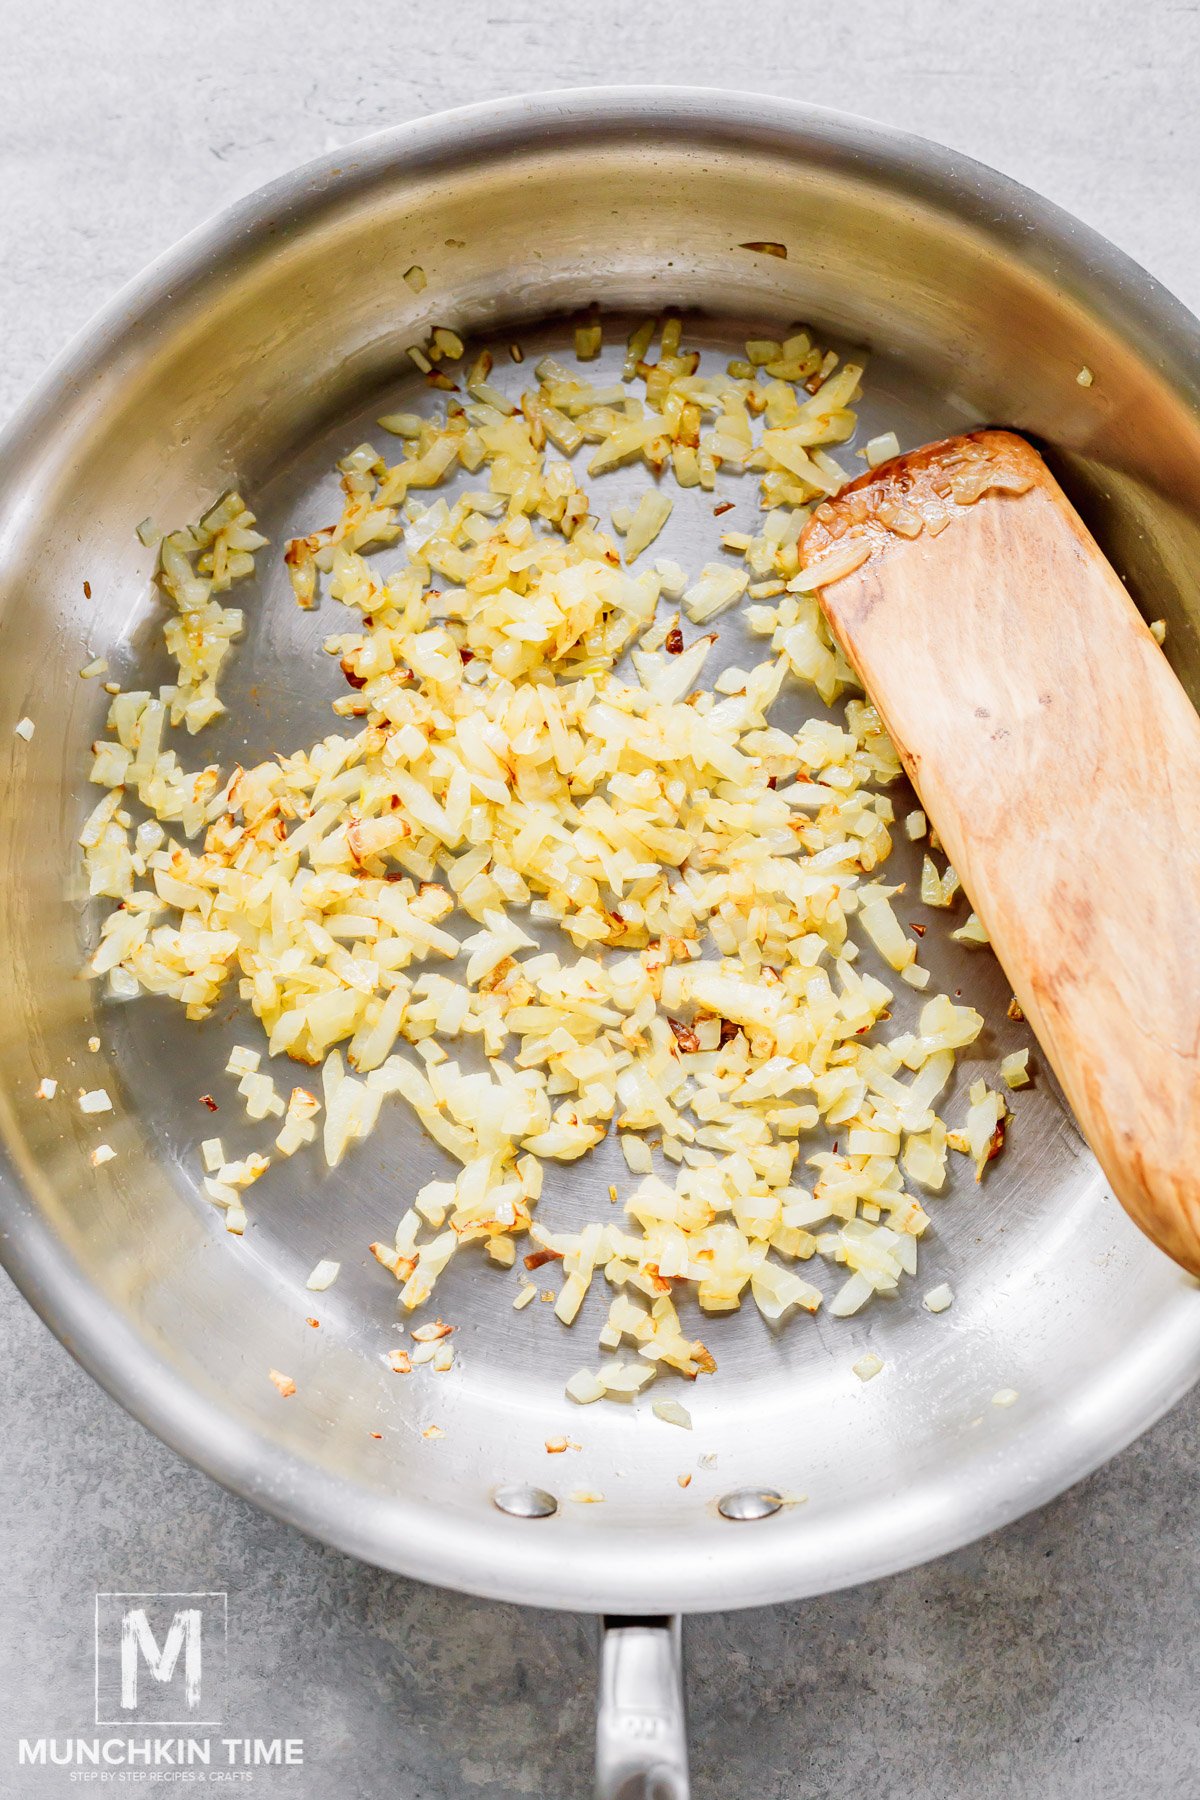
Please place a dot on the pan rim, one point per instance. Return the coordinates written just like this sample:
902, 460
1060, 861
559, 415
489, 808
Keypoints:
402, 1535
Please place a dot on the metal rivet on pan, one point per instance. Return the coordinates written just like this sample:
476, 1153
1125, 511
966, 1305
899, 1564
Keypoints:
525, 1502
750, 1503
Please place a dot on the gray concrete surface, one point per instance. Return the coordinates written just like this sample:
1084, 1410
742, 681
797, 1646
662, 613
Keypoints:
1056, 1659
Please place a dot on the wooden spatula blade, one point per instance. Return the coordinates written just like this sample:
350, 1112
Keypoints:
1059, 759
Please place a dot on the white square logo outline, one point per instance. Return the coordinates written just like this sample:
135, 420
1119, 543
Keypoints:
220, 1594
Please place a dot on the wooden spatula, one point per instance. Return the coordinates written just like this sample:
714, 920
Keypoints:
1059, 760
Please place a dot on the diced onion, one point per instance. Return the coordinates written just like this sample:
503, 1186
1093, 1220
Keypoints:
380, 899
881, 449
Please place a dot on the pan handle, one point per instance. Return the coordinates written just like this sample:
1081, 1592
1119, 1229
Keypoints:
641, 1722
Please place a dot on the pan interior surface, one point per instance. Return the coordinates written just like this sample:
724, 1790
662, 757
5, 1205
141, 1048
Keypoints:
255, 356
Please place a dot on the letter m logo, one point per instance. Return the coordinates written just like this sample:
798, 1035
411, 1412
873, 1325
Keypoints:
160, 1658
138, 1643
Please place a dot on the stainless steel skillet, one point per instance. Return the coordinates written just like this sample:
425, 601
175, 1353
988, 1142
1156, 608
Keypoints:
254, 354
